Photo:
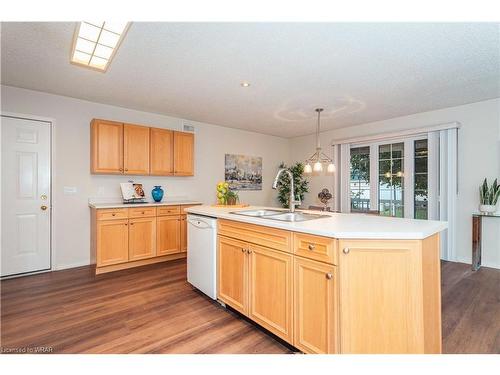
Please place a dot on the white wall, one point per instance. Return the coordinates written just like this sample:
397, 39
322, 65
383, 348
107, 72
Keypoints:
479, 157
72, 163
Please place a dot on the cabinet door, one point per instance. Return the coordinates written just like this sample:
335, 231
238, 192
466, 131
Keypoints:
183, 154
380, 294
168, 241
112, 242
270, 285
232, 275
142, 238
135, 149
315, 307
106, 147
162, 155
183, 233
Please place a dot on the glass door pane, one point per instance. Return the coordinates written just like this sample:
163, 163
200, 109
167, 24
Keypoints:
391, 179
421, 195
360, 179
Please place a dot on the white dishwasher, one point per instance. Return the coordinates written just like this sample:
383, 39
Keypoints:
202, 254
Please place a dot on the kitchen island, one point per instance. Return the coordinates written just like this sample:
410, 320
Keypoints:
341, 283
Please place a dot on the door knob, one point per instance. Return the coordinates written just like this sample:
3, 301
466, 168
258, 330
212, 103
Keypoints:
346, 250
43, 197
43, 208
329, 275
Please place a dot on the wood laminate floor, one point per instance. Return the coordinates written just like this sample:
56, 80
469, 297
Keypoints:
152, 309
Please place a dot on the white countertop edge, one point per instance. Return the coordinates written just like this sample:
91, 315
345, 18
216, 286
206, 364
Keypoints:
317, 227
146, 204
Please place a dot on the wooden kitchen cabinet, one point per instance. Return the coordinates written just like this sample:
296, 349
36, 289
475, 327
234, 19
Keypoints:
381, 296
183, 154
142, 238
270, 290
183, 233
168, 241
233, 273
106, 147
118, 148
162, 152
111, 242
135, 149
315, 307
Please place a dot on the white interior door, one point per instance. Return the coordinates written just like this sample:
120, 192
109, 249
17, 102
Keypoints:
26, 206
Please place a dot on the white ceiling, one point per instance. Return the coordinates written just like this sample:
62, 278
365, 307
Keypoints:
358, 72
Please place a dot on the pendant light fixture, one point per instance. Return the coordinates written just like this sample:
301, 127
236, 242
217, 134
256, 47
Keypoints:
317, 160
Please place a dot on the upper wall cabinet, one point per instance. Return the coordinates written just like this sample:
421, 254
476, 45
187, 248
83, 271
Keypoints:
183, 154
135, 149
118, 148
162, 155
106, 147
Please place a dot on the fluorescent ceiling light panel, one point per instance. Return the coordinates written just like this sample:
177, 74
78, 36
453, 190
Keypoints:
95, 43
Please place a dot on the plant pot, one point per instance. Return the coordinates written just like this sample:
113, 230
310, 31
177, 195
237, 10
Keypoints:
231, 201
157, 193
487, 208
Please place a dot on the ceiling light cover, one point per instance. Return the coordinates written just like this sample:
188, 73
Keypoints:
95, 43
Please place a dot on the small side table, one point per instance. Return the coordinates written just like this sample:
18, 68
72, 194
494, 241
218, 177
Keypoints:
477, 226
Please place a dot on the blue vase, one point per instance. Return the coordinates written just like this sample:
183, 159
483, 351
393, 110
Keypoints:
157, 193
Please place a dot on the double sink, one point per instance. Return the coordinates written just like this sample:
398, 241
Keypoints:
279, 215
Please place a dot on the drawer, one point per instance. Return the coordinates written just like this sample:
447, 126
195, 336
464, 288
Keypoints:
258, 234
168, 210
142, 212
112, 213
183, 208
315, 247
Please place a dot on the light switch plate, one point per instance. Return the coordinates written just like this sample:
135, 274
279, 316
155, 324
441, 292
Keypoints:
70, 190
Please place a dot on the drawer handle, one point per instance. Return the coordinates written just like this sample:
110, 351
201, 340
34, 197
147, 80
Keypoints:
329, 276
311, 247
346, 250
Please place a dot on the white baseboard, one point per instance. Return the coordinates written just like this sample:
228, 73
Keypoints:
60, 267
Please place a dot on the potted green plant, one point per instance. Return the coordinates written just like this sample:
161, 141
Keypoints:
225, 195
488, 196
300, 183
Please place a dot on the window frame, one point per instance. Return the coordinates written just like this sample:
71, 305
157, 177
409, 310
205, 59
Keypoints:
409, 171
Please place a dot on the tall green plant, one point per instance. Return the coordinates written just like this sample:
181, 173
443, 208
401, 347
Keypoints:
489, 195
300, 183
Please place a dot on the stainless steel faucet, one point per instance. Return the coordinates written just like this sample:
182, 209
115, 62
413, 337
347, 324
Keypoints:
291, 200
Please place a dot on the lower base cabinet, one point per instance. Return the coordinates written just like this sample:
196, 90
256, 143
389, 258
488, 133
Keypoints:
270, 290
232, 277
168, 235
129, 237
142, 238
363, 297
315, 307
112, 242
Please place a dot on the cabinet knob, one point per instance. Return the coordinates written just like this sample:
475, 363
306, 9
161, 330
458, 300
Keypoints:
243, 250
126, 169
329, 275
311, 247
121, 169
131, 223
126, 223
249, 251
346, 250
113, 214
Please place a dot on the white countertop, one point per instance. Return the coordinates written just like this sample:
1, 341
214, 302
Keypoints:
146, 204
337, 225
